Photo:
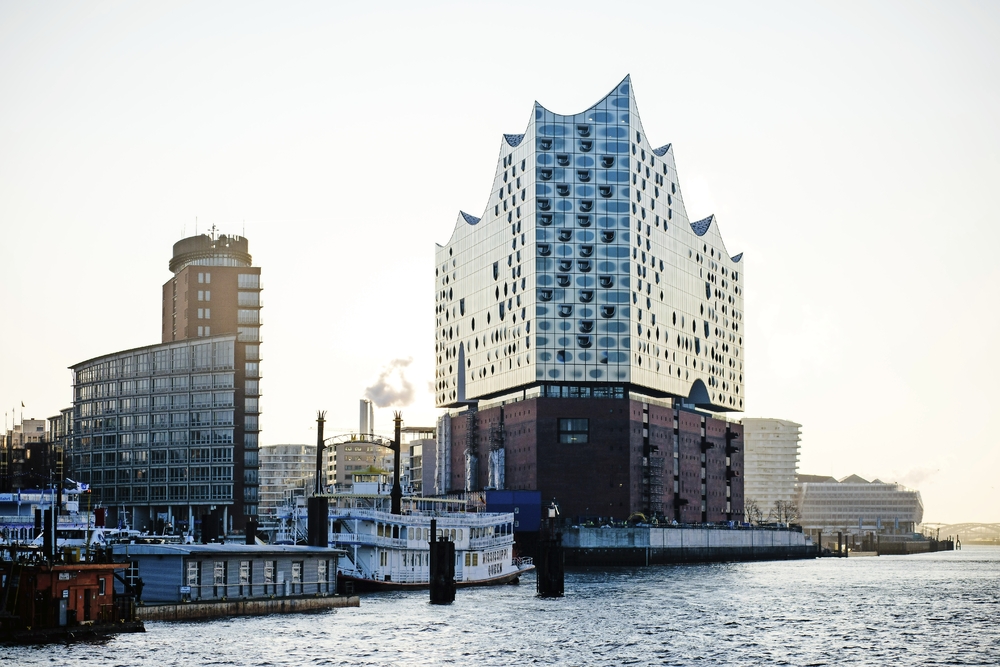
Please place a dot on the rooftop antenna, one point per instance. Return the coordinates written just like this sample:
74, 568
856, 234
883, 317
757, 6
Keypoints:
213, 230
196, 225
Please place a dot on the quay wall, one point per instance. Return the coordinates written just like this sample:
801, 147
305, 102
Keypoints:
642, 545
204, 610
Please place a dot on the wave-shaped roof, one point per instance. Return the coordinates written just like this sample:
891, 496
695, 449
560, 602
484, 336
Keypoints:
700, 227
471, 219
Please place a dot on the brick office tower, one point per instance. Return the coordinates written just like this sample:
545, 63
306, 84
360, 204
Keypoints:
587, 332
215, 290
167, 434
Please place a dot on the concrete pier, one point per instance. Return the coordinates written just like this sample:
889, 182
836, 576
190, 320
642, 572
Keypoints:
204, 610
646, 545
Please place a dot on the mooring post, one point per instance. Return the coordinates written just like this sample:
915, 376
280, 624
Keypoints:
396, 495
550, 566
320, 446
442, 568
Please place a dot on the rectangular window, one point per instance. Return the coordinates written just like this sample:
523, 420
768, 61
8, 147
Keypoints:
248, 299
297, 575
201, 277
219, 577
101, 583
244, 316
248, 334
201, 295
248, 281
321, 575
208, 331
574, 431
244, 577
193, 573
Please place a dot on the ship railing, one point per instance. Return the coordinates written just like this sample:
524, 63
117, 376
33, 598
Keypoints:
369, 540
522, 561
490, 541
466, 519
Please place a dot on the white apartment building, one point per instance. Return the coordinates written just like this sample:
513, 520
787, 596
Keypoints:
770, 461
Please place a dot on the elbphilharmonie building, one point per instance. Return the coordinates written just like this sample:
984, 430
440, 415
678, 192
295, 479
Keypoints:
588, 333
585, 270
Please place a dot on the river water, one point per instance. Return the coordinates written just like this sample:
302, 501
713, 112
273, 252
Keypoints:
929, 609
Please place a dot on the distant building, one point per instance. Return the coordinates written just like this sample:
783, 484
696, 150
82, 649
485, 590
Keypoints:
27, 458
854, 505
414, 440
286, 472
770, 461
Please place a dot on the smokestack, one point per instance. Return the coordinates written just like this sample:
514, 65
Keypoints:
320, 421
366, 417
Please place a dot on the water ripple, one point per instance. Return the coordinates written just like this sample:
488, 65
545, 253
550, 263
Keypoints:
931, 609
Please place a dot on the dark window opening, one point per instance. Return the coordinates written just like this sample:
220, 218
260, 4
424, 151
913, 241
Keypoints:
574, 431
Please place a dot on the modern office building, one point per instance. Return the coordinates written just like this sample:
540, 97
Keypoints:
584, 293
770, 461
168, 433
856, 506
286, 472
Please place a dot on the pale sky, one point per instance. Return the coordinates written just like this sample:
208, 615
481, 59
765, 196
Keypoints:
851, 150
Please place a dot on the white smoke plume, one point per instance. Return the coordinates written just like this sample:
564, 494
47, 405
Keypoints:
392, 388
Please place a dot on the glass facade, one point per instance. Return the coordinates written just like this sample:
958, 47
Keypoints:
161, 425
584, 267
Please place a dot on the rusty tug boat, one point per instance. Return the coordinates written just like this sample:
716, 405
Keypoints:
47, 595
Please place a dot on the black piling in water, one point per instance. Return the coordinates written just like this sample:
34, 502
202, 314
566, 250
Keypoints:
49, 534
442, 568
549, 566
318, 529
